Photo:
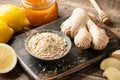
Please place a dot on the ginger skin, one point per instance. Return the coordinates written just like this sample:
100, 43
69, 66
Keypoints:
84, 31
71, 26
83, 38
112, 73
100, 38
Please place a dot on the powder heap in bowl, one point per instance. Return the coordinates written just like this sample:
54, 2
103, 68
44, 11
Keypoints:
47, 45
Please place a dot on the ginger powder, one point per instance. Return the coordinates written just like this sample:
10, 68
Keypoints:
47, 45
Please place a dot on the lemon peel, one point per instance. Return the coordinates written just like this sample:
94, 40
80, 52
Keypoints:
14, 17
5, 32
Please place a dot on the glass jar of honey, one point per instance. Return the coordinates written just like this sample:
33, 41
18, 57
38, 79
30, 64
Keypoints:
40, 12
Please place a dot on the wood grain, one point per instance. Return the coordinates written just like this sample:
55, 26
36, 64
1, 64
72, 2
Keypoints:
112, 7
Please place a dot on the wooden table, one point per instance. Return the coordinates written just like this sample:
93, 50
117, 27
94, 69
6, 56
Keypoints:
65, 9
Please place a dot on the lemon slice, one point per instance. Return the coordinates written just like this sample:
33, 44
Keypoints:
8, 58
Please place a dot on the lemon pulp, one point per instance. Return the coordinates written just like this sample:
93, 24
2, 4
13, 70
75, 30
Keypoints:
8, 58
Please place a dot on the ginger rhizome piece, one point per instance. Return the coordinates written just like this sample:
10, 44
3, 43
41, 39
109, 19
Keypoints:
100, 38
112, 73
116, 54
84, 31
110, 62
72, 25
83, 38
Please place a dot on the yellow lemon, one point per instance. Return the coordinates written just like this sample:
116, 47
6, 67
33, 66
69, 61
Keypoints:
8, 58
14, 17
5, 32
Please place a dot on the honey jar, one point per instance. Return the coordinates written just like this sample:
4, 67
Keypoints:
40, 12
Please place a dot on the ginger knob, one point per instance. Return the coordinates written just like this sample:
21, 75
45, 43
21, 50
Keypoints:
112, 73
100, 38
71, 26
83, 38
84, 31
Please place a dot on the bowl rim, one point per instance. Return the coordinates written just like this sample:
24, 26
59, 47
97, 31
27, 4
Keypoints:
69, 43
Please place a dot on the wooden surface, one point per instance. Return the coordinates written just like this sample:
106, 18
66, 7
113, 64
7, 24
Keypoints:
76, 60
65, 9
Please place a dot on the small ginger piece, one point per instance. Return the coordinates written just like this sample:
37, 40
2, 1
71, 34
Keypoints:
100, 38
83, 38
112, 73
71, 26
116, 54
110, 62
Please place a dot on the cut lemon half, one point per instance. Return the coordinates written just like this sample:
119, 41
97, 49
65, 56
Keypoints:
8, 58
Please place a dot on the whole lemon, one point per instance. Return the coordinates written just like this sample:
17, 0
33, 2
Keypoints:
14, 17
5, 32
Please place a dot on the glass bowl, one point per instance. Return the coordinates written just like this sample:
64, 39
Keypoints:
38, 54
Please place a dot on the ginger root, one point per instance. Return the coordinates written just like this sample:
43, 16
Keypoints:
83, 38
112, 73
100, 38
111, 66
116, 54
110, 62
84, 31
71, 26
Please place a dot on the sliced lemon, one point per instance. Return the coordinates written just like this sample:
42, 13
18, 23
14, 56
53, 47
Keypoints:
8, 58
